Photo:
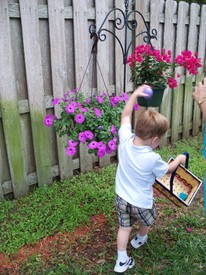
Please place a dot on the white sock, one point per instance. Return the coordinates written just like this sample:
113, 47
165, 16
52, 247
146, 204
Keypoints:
142, 238
122, 256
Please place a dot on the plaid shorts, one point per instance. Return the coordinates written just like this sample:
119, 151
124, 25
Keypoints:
128, 213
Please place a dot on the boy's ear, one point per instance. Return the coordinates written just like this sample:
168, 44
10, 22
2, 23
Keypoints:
155, 142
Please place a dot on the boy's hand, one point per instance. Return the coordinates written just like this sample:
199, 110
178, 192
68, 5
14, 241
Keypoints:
140, 91
174, 164
182, 159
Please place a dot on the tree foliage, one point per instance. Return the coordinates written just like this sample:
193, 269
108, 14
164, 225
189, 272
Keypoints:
201, 2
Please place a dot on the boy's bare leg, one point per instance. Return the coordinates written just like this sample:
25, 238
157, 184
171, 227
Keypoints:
123, 237
141, 237
143, 230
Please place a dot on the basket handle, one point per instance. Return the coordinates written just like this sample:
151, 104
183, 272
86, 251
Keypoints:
174, 172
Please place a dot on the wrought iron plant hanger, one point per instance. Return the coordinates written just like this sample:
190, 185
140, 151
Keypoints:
123, 22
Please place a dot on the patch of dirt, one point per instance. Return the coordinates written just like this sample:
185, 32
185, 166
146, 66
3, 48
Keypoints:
60, 242
94, 243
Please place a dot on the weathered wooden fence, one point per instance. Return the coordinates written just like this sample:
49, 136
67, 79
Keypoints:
44, 50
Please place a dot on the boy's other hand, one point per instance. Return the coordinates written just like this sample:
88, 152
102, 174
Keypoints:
182, 159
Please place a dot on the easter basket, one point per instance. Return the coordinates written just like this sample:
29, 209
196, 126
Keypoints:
181, 186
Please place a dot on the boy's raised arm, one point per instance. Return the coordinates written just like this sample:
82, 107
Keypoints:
128, 108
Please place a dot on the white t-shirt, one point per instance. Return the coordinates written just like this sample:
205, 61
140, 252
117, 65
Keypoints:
137, 169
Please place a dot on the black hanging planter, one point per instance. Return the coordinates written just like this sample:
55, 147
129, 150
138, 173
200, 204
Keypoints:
155, 100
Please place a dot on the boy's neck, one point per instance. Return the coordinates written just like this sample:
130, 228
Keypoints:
140, 142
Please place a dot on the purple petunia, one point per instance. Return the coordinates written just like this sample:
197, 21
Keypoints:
101, 145
82, 137
88, 101
124, 97
108, 151
101, 153
99, 99
89, 134
93, 144
48, 120
104, 94
84, 110
112, 102
70, 150
136, 107
97, 112
70, 109
55, 101
79, 118
112, 145
115, 139
117, 99
74, 90
113, 130
72, 143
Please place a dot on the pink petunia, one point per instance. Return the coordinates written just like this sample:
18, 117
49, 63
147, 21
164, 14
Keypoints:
48, 120
79, 118
172, 82
93, 145
97, 112
82, 137
70, 150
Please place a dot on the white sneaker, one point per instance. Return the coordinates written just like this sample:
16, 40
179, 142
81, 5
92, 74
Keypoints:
121, 267
136, 243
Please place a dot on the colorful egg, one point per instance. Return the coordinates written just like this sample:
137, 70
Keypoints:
148, 91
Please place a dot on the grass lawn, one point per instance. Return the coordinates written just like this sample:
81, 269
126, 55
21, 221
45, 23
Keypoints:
71, 227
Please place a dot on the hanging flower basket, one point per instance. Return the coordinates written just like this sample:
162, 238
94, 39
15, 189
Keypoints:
156, 69
94, 121
154, 100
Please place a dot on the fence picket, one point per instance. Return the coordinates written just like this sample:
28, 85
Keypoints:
192, 46
31, 44
9, 109
82, 56
59, 74
168, 44
177, 107
103, 60
201, 53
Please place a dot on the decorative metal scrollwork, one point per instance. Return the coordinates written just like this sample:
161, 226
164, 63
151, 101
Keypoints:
121, 22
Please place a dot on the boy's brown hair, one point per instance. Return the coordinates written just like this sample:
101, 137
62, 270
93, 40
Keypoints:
151, 124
